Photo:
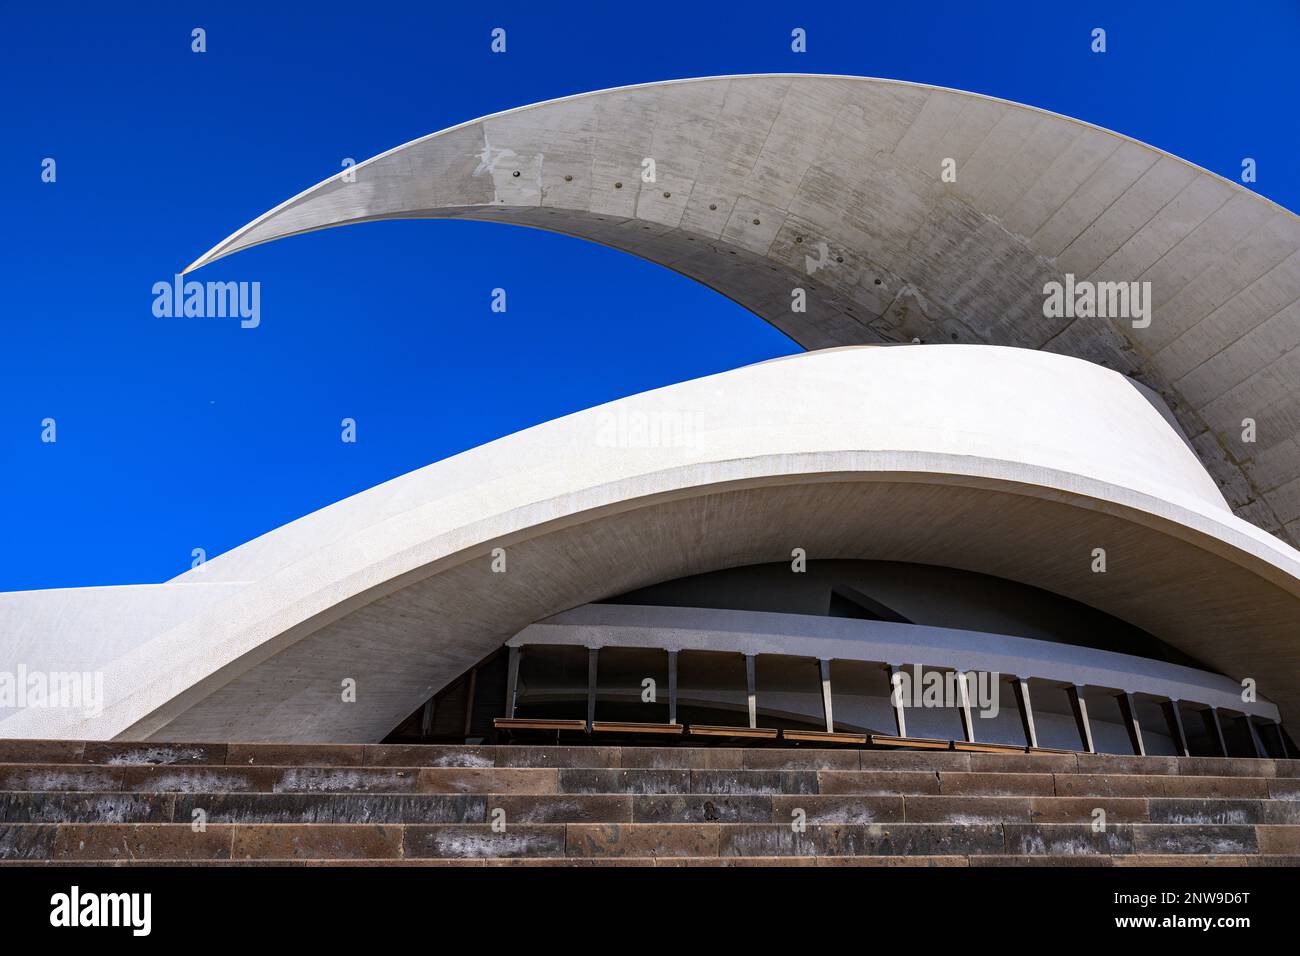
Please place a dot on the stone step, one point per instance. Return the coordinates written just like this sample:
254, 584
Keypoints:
118, 807
1132, 860
114, 753
232, 804
165, 842
159, 779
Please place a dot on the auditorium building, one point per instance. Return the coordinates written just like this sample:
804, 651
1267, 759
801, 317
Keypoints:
1040, 458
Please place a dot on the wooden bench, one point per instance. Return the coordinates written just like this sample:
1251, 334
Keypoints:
513, 724
743, 733
974, 746
634, 727
823, 737
915, 743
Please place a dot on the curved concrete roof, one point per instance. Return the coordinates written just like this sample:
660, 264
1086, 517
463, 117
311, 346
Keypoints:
1009, 462
831, 183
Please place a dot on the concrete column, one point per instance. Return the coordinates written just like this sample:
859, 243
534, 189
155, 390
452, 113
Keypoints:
1128, 708
592, 653
469, 699
1023, 704
752, 691
1279, 741
825, 667
672, 687
1284, 747
1254, 736
426, 718
512, 681
963, 702
1214, 727
1174, 717
900, 718
1080, 708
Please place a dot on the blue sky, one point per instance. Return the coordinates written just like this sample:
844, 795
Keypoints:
175, 434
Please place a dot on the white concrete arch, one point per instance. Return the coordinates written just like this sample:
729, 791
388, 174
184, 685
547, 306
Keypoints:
832, 184
1010, 462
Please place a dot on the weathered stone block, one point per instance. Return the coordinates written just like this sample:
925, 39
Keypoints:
643, 839
118, 752
41, 751
1278, 839
1284, 788
1226, 767
624, 781
164, 779
851, 840
781, 840
562, 808
57, 777
1163, 838
1181, 860
332, 808
781, 758
488, 780
473, 841
1160, 785
753, 781
318, 841
896, 861
27, 841
1023, 763
685, 758
95, 807
295, 755
1052, 861
1206, 812
997, 784
420, 755
1062, 839
1080, 809
878, 782
966, 810
589, 757
925, 761
1113, 763
701, 808
838, 809
140, 841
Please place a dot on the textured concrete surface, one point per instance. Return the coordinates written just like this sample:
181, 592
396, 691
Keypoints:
920, 454
832, 184
982, 809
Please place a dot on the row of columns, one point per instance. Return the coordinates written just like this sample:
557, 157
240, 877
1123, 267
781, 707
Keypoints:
1020, 686
1079, 708
512, 686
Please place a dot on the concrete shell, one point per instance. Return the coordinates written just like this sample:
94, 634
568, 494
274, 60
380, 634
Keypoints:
1010, 462
832, 184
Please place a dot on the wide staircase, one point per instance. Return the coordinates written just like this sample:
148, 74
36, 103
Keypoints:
121, 803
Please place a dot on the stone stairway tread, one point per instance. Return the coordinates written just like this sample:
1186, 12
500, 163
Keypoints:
224, 807
159, 841
112, 753
521, 780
